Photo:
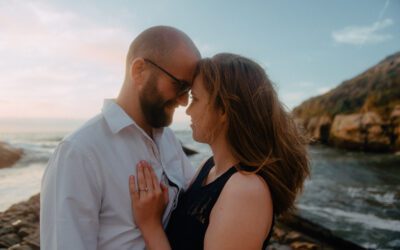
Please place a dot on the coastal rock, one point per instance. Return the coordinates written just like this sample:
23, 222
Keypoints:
188, 151
21, 247
9, 240
365, 110
19, 225
395, 124
292, 236
8, 155
359, 131
301, 233
318, 128
303, 246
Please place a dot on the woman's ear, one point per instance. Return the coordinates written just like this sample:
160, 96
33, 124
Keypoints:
222, 115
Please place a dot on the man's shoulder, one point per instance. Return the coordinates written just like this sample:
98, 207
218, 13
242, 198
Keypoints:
90, 132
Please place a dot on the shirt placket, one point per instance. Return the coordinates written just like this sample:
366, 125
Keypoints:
165, 179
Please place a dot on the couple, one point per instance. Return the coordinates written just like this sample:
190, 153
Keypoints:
258, 166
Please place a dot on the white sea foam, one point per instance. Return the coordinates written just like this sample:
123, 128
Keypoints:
368, 220
394, 243
388, 198
379, 194
18, 184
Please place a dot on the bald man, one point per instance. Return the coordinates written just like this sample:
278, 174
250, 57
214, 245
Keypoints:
85, 201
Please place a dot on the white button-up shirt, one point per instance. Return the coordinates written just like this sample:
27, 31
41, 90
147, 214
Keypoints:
85, 202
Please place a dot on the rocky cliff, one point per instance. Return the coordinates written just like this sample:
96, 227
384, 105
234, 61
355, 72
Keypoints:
9, 155
362, 113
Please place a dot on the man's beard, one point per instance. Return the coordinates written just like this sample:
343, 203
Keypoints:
153, 105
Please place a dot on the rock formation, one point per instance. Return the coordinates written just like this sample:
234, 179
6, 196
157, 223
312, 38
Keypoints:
8, 155
19, 226
362, 113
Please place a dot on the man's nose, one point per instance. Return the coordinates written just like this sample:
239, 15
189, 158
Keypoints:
183, 100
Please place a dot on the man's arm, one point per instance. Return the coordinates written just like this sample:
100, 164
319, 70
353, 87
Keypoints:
70, 201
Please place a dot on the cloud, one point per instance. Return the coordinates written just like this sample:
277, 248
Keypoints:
292, 99
34, 29
293, 94
56, 63
360, 35
323, 90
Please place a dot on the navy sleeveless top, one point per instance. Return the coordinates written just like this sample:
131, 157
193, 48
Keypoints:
189, 221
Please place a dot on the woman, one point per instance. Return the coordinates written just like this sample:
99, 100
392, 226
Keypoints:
258, 166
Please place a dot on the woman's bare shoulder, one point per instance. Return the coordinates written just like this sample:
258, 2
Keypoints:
252, 186
247, 192
246, 201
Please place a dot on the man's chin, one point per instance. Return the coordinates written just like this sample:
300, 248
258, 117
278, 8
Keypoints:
169, 112
168, 121
165, 122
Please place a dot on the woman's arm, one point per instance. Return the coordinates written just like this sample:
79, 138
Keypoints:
148, 203
242, 215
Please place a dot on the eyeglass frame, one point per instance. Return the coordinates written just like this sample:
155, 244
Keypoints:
183, 86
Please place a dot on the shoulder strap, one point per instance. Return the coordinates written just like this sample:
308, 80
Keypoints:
205, 169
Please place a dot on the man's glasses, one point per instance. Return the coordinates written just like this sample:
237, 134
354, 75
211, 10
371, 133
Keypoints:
182, 86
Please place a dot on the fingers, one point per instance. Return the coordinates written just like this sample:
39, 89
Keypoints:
148, 176
148, 182
132, 189
164, 189
156, 183
141, 179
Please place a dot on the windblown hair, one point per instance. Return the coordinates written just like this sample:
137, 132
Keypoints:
261, 134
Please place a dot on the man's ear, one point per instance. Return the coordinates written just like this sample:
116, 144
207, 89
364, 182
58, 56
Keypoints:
137, 69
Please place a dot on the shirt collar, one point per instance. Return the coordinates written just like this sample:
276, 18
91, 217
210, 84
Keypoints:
115, 116
117, 119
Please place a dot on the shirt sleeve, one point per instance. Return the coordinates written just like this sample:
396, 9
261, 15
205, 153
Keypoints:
70, 201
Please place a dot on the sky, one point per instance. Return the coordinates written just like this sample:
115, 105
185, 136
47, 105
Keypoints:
59, 59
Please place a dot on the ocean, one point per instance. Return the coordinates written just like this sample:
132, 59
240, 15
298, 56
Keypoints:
354, 194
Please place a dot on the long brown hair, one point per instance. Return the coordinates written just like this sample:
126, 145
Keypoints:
261, 134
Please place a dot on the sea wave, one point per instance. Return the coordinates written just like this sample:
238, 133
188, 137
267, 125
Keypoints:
19, 183
368, 220
380, 194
